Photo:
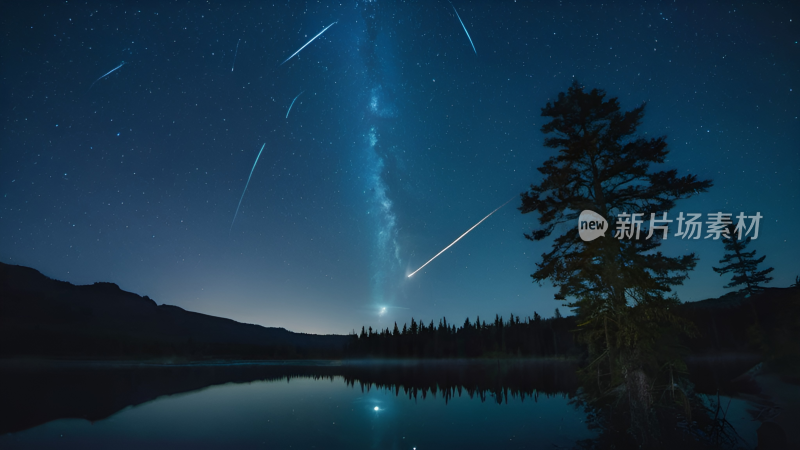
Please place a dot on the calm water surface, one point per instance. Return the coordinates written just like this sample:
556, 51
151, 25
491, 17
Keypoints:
385, 406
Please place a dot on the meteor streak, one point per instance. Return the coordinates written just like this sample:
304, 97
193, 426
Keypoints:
248, 183
312, 40
465, 29
459, 238
234, 55
290, 106
107, 74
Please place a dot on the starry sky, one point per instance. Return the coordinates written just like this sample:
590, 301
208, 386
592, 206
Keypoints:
402, 139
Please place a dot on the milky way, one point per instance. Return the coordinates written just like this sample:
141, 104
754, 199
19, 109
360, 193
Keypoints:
379, 112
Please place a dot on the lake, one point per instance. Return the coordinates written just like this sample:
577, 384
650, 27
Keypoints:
300, 405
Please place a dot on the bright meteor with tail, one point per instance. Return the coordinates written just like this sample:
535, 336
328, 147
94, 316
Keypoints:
459, 238
304, 46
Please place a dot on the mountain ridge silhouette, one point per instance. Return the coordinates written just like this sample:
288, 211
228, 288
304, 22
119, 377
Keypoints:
51, 318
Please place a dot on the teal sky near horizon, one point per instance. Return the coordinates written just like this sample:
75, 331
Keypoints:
402, 139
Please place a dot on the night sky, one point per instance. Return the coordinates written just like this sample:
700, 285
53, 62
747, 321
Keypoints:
402, 139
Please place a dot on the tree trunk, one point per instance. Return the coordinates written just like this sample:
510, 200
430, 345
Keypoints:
640, 400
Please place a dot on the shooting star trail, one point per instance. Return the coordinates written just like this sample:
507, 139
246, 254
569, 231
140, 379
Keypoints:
245, 186
234, 55
107, 74
465, 28
459, 238
312, 40
290, 106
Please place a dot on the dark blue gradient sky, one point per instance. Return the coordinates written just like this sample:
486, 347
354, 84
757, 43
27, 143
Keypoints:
402, 140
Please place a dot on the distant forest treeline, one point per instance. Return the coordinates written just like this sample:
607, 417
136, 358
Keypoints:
40, 317
515, 337
766, 323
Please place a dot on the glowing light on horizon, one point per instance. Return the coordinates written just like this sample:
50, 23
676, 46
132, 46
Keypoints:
459, 238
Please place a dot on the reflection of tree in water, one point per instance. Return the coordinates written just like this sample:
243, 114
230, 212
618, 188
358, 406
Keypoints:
32, 394
499, 380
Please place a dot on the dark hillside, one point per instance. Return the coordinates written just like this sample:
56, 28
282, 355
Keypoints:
767, 322
40, 316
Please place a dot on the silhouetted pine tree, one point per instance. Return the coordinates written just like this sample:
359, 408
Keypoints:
743, 264
617, 286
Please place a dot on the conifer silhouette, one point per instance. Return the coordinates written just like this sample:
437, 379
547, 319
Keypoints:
743, 264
